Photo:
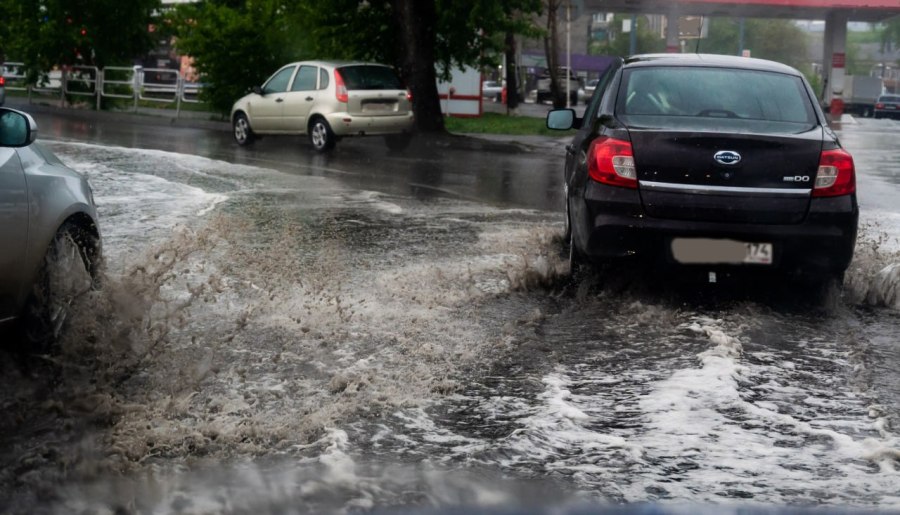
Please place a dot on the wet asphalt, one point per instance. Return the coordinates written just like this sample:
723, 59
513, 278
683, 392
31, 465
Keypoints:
375, 330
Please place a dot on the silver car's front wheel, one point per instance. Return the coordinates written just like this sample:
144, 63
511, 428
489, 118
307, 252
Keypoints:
321, 136
243, 134
65, 276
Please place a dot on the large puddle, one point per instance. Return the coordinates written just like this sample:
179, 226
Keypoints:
271, 342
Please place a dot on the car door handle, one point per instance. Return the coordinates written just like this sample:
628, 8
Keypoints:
309, 99
279, 100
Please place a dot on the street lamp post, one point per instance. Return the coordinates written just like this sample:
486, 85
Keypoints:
568, 52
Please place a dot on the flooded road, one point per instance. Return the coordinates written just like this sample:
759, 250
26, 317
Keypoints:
281, 331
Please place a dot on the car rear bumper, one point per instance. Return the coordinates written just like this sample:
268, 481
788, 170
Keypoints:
344, 124
883, 113
617, 227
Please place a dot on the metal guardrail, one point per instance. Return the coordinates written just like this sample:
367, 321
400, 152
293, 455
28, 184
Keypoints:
14, 73
109, 83
156, 85
190, 92
148, 84
88, 77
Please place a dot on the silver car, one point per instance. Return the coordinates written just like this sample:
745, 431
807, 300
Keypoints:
327, 101
50, 250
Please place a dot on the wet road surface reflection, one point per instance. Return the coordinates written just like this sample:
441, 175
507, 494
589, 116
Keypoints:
374, 331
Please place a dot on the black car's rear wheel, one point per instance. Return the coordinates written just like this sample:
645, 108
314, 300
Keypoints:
243, 134
577, 261
64, 276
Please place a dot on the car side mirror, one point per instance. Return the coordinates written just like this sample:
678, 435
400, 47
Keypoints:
17, 129
561, 119
257, 90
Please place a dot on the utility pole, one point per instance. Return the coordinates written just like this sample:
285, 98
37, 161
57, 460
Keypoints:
568, 52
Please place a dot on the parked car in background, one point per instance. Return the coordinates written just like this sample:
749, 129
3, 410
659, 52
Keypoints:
714, 163
2, 87
327, 101
887, 106
50, 250
492, 89
573, 86
590, 86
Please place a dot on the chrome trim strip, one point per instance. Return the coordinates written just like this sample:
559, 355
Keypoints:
723, 190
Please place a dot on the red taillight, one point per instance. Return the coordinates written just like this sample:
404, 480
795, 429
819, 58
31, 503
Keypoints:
2, 80
611, 161
409, 95
340, 90
879, 105
836, 175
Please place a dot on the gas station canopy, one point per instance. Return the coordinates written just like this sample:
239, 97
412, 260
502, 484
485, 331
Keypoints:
853, 10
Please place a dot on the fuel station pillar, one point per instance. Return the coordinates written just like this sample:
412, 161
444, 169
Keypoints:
834, 62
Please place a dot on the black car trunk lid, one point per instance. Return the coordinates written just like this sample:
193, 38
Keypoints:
751, 178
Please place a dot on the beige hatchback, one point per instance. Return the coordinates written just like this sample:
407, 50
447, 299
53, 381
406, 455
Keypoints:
327, 101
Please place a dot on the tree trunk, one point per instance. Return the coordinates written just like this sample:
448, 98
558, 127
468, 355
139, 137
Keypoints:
416, 21
551, 48
512, 73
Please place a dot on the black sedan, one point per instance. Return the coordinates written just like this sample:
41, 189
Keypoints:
714, 163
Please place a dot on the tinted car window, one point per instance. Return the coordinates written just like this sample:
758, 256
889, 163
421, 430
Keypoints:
600, 86
279, 82
889, 98
370, 77
323, 78
692, 97
306, 79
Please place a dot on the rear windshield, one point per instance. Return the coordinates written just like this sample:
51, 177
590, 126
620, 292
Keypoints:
370, 77
889, 98
696, 98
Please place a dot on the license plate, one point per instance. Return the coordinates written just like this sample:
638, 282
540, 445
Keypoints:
378, 106
691, 251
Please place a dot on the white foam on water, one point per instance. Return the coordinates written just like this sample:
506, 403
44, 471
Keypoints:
137, 203
707, 416
884, 289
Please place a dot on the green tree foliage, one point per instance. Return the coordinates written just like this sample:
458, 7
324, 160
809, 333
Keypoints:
237, 44
619, 43
890, 35
776, 40
467, 32
421, 38
45, 33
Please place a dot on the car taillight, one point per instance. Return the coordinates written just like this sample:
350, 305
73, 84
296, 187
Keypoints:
2, 80
409, 95
611, 161
879, 105
836, 175
340, 90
